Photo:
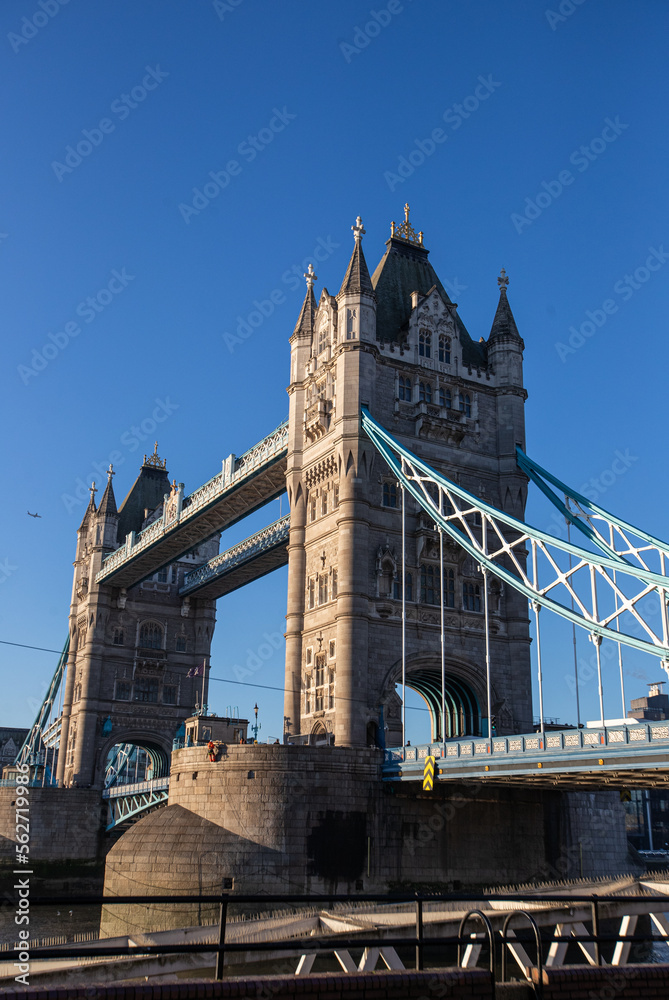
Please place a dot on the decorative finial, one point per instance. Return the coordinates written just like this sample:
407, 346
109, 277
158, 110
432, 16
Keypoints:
358, 231
153, 460
92, 490
503, 280
406, 230
310, 276
110, 472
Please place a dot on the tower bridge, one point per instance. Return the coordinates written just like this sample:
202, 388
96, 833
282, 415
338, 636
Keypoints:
410, 566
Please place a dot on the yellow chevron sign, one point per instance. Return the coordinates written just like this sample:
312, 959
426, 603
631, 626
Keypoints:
428, 774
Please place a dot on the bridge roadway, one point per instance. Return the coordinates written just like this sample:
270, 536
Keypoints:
244, 485
634, 756
256, 556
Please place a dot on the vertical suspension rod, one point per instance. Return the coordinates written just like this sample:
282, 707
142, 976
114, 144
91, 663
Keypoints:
404, 615
573, 626
536, 606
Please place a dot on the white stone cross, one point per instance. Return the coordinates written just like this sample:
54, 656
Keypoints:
310, 276
358, 231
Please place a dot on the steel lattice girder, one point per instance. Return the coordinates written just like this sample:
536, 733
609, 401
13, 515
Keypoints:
245, 562
33, 739
588, 515
509, 536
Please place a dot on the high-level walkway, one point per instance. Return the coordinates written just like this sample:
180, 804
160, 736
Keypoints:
244, 485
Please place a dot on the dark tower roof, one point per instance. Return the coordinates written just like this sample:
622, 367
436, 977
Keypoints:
147, 492
503, 325
305, 321
403, 269
108, 502
90, 510
357, 277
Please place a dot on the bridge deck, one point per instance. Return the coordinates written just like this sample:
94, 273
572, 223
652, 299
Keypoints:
607, 757
257, 478
256, 556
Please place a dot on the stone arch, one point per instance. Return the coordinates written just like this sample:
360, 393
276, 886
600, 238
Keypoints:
157, 746
318, 736
464, 693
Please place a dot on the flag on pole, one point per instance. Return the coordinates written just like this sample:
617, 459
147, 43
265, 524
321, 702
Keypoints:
196, 671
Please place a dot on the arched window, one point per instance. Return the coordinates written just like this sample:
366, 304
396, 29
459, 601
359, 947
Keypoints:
429, 584
118, 637
323, 335
397, 587
405, 389
425, 344
424, 392
471, 597
445, 398
444, 350
449, 588
151, 636
464, 404
180, 645
390, 494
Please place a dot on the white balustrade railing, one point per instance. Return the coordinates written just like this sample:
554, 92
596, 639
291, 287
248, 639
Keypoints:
263, 452
270, 536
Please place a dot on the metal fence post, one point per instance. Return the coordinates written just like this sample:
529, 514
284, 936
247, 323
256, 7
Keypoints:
419, 934
595, 929
220, 954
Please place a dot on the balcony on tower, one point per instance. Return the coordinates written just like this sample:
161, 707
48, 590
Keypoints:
316, 419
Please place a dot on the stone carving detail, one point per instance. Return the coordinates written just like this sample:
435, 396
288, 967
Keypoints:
318, 473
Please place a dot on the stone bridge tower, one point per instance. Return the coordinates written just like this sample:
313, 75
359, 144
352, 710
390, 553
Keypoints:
396, 343
131, 652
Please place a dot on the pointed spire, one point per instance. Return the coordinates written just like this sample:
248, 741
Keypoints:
108, 502
357, 277
91, 509
305, 321
503, 325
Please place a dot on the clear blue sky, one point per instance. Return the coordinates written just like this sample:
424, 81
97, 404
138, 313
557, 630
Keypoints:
170, 91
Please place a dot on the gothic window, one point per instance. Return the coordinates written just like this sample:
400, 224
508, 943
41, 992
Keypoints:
321, 683
425, 344
323, 336
117, 639
404, 391
324, 502
335, 496
146, 689
464, 404
397, 587
444, 350
71, 743
309, 656
332, 648
334, 584
312, 592
161, 575
424, 392
123, 691
429, 584
312, 513
331, 691
307, 694
151, 636
449, 588
350, 323
323, 588
445, 398
390, 494
169, 694
180, 644
77, 692
471, 597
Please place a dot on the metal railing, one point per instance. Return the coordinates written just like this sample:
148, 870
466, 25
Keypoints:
637, 735
498, 942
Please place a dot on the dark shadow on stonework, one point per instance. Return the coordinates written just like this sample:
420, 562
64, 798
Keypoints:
336, 847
